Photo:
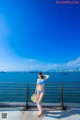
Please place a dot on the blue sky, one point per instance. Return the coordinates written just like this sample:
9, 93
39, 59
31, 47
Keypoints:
39, 34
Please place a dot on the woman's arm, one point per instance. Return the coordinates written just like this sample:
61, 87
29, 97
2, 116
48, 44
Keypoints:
36, 84
46, 77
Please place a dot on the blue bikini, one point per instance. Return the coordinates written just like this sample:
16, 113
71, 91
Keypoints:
40, 82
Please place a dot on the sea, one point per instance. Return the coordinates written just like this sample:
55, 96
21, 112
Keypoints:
20, 86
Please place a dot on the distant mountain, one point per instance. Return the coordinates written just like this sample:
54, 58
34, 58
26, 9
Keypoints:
2, 72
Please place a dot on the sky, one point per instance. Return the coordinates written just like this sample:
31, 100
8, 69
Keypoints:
39, 35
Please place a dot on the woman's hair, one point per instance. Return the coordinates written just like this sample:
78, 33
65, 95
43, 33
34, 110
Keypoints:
40, 73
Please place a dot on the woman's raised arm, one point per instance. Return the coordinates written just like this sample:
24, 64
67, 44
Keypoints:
46, 77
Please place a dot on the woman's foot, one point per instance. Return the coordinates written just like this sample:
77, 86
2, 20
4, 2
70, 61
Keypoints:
41, 114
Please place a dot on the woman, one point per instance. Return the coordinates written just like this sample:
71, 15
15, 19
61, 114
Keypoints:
40, 90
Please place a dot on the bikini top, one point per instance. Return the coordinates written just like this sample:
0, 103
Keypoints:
40, 81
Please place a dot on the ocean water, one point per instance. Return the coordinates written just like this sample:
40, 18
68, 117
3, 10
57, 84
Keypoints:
17, 92
32, 77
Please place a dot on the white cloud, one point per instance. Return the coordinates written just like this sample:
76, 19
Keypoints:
74, 63
30, 60
20, 65
71, 64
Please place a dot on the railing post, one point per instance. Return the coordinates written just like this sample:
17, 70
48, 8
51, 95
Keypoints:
27, 96
61, 96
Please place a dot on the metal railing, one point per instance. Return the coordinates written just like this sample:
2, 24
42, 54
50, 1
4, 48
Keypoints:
19, 93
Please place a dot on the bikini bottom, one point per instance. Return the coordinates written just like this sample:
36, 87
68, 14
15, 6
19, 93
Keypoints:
40, 91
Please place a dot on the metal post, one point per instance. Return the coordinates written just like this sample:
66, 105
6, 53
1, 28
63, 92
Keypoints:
27, 96
61, 95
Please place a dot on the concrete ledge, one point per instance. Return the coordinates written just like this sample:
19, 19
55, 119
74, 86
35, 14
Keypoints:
23, 104
49, 114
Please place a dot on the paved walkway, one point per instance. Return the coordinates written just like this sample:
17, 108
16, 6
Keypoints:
71, 114
17, 114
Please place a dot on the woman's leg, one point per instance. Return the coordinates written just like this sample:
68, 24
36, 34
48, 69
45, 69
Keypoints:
40, 101
41, 106
37, 102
